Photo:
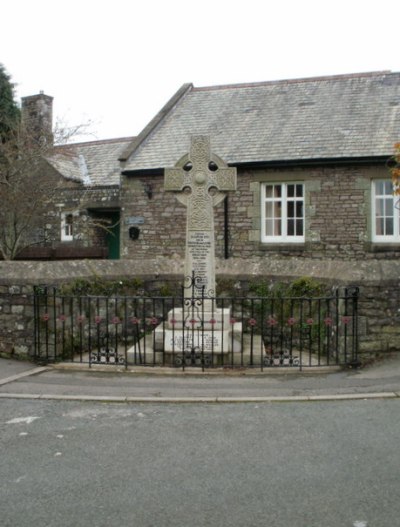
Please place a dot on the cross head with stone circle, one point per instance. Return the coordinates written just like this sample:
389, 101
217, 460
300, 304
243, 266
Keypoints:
200, 179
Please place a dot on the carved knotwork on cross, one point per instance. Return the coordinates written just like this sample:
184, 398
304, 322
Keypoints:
201, 173
200, 180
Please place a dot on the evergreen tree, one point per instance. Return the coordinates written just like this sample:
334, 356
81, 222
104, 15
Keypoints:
9, 111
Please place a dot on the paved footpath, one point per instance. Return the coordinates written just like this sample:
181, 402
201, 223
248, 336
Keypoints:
77, 382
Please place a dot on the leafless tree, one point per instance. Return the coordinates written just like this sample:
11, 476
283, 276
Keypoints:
28, 185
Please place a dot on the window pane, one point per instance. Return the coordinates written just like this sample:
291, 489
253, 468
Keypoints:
299, 227
273, 191
389, 226
68, 227
379, 187
273, 209
299, 209
379, 226
387, 187
273, 228
290, 209
277, 209
290, 228
290, 191
379, 207
269, 210
268, 191
388, 207
269, 228
299, 191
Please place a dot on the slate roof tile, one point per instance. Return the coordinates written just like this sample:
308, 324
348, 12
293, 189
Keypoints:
94, 163
329, 117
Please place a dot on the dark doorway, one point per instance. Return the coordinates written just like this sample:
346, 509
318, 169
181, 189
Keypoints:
113, 234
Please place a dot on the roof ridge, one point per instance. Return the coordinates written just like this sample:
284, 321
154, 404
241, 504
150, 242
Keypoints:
100, 141
152, 125
294, 81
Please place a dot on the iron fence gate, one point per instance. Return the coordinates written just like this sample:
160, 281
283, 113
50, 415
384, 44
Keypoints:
197, 331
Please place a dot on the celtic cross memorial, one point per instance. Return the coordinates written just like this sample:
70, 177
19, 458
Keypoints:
200, 180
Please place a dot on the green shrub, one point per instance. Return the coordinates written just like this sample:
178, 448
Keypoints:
98, 286
304, 286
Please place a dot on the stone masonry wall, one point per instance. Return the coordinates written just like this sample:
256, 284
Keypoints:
337, 212
16, 321
379, 304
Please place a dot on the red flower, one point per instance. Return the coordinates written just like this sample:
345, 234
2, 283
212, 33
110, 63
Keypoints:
252, 322
213, 321
116, 320
97, 319
46, 317
310, 321
80, 319
272, 321
328, 321
173, 321
291, 321
62, 318
346, 320
135, 320
233, 321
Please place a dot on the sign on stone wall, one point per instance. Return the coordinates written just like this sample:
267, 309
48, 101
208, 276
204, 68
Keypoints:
134, 220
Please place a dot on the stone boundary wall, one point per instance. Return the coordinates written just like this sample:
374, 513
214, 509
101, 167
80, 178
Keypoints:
16, 321
379, 282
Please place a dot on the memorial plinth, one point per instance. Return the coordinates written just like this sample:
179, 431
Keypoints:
213, 332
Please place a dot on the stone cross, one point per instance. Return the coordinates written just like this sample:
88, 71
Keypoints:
200, 177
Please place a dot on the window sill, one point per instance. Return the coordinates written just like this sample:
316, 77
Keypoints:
384, 247
282, 247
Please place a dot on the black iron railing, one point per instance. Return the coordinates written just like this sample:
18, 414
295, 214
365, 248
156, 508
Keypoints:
195, 330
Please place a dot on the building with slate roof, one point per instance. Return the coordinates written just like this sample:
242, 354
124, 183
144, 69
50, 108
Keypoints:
83, 218
313, 183
311, 156
89, 205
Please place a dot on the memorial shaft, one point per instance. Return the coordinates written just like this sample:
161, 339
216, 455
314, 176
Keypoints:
200, 179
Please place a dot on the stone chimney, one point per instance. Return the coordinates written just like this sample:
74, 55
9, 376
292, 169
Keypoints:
37, 116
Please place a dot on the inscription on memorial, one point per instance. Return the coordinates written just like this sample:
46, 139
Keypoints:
205, 176
199, 247
206, 340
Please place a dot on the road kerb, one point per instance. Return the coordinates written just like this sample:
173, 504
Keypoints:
353, 396
28, 373
201, 399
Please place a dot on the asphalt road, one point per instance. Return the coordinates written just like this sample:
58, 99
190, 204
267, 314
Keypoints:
333, 464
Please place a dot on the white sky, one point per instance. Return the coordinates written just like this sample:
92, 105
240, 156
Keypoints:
117, 63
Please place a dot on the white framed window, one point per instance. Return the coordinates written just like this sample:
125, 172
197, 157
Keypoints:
385, 212
282, 212
67, 226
